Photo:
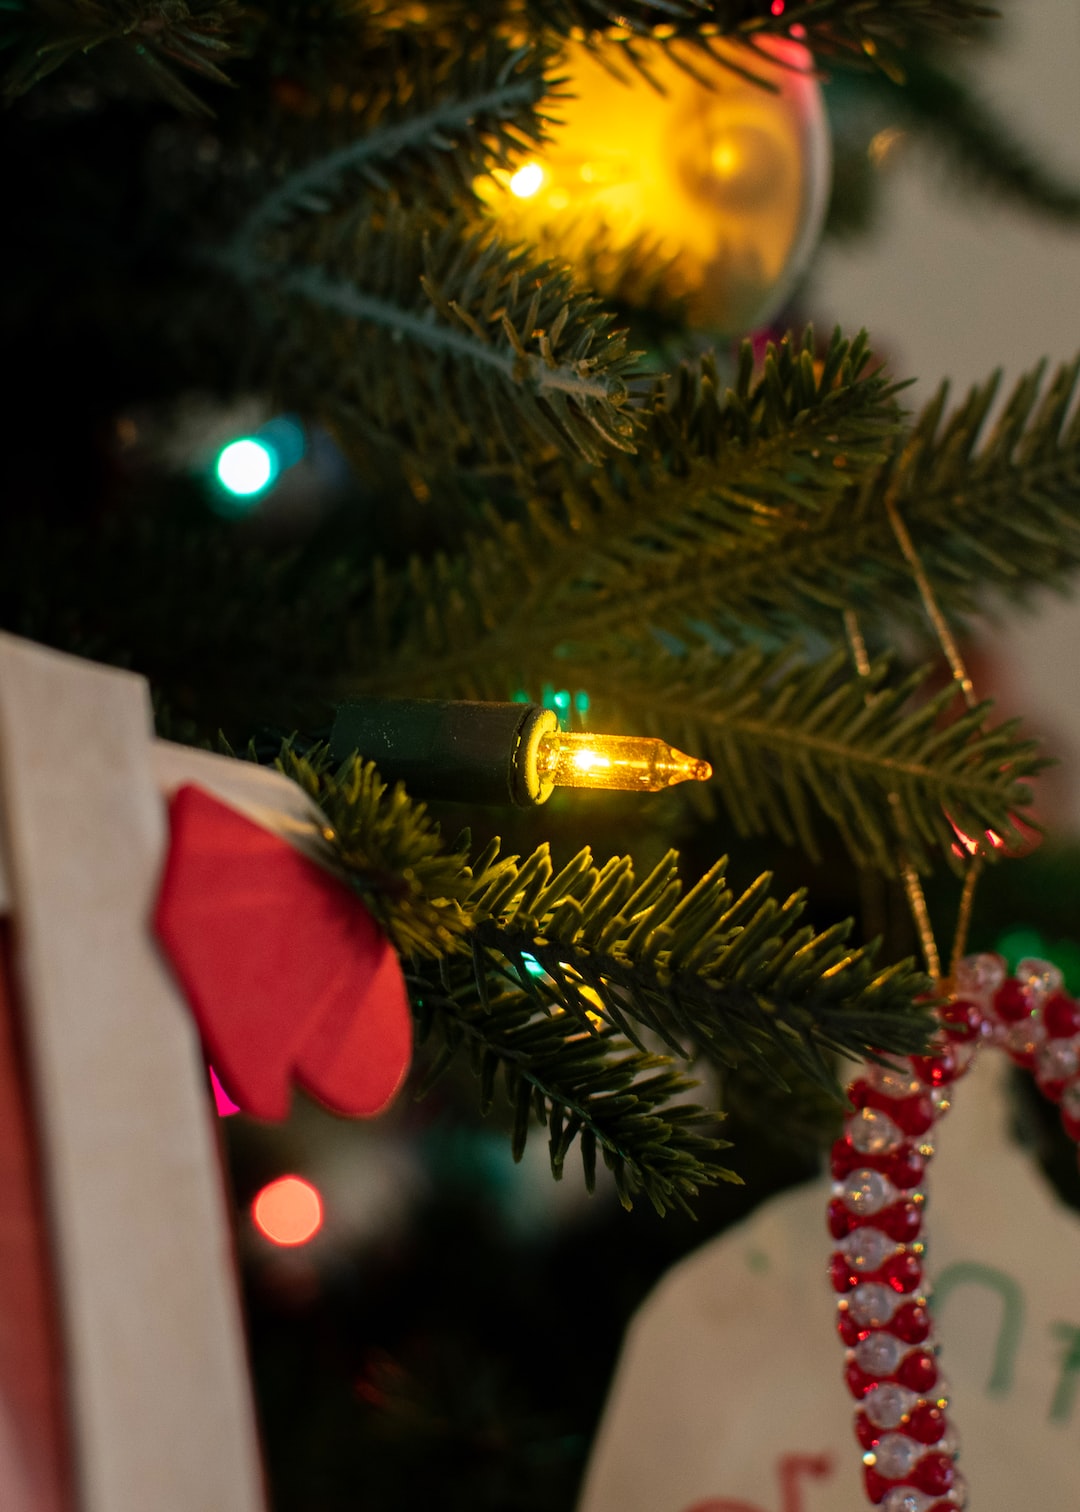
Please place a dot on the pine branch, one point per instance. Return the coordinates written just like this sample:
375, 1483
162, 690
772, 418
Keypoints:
849, 29
587, 1086
453, 111
736, 979
863, 30
727, 545
441, 338
999, 514
860, 32
198, 35
390, 852
791, 741
717, 476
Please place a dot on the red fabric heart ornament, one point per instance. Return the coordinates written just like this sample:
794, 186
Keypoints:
287, 974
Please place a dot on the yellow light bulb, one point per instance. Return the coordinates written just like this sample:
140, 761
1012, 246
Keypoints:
527, 180
633, 763
722, 181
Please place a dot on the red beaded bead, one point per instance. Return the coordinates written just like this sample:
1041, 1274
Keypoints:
845, 1159
934, 1473
913, 1114
841, 1219
961, 1020
918, 1371
1061, 1015
865, 1431
862, 1095
902, 1272
901, 1221
858, 1382
841, 1275
1052, 1090
905, 1168
1010, 1002
911, 1323
849, 1330
876, 1485
936, 1070
927, 1423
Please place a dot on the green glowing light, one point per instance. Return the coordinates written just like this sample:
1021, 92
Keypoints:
1019, 942
1065, 954
581, 701
246, 467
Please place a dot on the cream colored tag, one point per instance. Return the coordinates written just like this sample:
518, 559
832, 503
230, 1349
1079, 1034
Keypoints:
729, 1394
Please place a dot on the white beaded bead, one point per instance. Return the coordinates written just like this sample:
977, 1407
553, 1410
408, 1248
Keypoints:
1038, 978
872, 1304
880, 1354
978, 977
893, 1080
888, 1405
959, 1493
873, 1132
906, 1499
1057, 1060
867, 1191
1024, 1038
896, 1455
867, 1249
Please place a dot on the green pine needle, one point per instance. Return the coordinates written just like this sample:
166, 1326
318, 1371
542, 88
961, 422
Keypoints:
443, 339
623, 961
888, 760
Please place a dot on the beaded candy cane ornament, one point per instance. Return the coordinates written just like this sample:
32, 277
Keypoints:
876, 1216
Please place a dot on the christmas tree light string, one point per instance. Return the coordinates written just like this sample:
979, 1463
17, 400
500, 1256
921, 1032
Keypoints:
879, 1165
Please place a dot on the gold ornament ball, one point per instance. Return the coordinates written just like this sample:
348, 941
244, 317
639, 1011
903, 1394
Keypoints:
724, 180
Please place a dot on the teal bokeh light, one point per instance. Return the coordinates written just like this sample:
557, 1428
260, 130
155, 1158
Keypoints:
247, 467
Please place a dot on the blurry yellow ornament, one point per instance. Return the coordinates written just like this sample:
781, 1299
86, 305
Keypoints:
725, 180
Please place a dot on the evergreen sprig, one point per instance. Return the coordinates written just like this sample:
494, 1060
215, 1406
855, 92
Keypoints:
729, 542
862, 30
718, 473
389, 850
586, 1085
152, 37
999, 513
849, 29
558, 979
737, 977
791, 741
446, 109
442, 339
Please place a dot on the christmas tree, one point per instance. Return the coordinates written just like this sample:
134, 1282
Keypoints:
526, 459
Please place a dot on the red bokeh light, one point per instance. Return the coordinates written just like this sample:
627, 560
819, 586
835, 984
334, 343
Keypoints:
288, 1211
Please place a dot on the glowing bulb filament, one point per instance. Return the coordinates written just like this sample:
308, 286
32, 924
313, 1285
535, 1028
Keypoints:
527, 180
635, 763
